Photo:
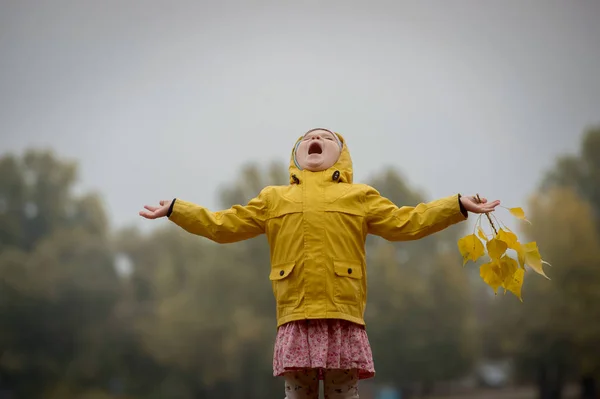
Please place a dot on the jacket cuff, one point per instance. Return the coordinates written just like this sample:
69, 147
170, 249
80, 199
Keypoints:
462, 208
170, 211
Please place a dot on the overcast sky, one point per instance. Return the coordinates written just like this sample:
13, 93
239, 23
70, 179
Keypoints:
169, 99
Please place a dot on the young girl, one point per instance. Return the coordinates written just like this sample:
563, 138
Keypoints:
316, 227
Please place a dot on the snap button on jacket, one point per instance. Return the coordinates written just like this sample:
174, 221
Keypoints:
316, 228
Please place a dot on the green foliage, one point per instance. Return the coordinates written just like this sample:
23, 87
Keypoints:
580, 172
36, 199
555, 332
58, 286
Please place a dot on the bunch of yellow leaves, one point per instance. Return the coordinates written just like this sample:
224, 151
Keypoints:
502, 270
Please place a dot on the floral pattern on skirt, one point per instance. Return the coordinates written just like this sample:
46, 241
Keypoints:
323, 344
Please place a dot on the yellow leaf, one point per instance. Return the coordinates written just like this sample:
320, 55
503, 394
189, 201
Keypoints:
481, 233
515, 283
496, 248
490, 273
508, 267
532, 258
518, 213
519, 248
508, 237
470, 248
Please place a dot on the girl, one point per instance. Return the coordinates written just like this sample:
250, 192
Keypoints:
316, 228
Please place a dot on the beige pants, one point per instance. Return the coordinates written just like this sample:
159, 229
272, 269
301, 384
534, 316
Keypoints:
337, 384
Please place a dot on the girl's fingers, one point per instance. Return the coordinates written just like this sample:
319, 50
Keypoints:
490, 207
155, 212
147, 215
477, 200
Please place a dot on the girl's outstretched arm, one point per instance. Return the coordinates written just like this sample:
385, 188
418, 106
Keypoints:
234, 224
394, 223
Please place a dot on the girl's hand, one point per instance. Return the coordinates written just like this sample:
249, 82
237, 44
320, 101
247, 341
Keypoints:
155, 212
472, 204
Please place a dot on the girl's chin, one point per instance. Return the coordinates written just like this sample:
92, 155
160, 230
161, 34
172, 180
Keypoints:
313, 164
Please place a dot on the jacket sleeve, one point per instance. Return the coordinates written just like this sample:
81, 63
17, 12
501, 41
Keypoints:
234, 224
407, 223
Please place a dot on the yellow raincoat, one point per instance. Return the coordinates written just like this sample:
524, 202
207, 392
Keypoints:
316, 227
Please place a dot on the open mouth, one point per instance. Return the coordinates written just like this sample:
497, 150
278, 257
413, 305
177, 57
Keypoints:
315, 148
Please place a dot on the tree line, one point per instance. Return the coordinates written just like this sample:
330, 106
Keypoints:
181, 317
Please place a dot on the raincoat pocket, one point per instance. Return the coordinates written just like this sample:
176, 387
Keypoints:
285, 284
348, 281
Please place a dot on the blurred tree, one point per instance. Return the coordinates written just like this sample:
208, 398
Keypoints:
58, 285
36, 199
206, 311
419, 309
559, 321
181, 292
582, 174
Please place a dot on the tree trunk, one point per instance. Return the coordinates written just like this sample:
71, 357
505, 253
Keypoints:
427, 388
406, 392
550, 381
589, 388
542, 382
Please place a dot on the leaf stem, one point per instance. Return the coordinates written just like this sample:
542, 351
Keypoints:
488, 217
500, 223
477, 223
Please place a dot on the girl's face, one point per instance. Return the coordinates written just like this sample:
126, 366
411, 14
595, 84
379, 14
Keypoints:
318, 150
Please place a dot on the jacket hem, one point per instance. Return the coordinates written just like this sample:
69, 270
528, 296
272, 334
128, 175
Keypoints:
328, 315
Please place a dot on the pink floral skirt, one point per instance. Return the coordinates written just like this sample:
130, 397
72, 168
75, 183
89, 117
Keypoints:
323, 344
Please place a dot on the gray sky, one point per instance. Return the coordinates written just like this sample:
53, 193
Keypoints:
164, 99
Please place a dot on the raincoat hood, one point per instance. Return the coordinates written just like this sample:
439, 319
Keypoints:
343, 165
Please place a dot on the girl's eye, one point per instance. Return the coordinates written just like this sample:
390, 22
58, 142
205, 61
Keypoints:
329, 138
